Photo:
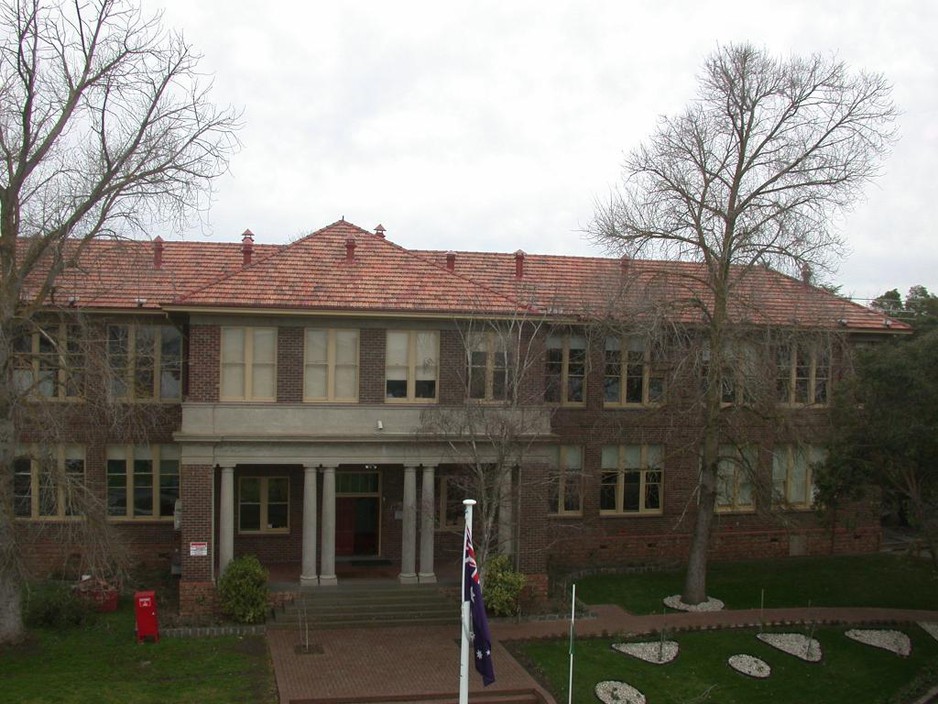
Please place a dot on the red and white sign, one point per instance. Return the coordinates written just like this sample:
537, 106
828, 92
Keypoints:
198, 549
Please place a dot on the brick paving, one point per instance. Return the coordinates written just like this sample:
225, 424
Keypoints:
398, 662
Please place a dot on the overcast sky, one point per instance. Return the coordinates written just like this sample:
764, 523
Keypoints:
496, 125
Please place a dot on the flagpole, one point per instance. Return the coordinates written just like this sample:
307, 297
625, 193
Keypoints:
464, 605
572, 634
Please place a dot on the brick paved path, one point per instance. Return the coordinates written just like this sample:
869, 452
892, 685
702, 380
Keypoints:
421, 660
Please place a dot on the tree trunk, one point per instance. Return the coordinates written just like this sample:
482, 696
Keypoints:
11, 608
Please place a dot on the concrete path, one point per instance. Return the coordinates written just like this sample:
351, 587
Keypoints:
397, 662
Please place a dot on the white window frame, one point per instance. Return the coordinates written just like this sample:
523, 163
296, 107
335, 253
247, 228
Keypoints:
330, 365
40, 461
126, 375
566, 472
651, 462
735, 488
565, 343
157, 455
627, 346
248, 364
264, 503
497, 361
413, 366
789, 490
808, 383
31, 375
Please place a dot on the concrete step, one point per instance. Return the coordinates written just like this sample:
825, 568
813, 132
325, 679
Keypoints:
517, 696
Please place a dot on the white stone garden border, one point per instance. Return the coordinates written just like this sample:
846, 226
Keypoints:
655, 652
711, 604
611, 692
750, 665
801, 646
894, 641
930, 627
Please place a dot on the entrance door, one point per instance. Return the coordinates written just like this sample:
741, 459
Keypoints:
358, 514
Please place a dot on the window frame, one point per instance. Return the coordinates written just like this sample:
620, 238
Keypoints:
447, 519
645, 468
126, 373
567, 471
561, 378
620, 379
263, 504
33, 454
412, 367
248, 363
157, 455
497, 360
736, 459
784, 461
68, 379
331, 365
811, 373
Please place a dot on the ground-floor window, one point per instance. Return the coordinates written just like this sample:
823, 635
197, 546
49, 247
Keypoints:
735, 470
142, 481
793, 474
565, 494
450, 492
48, 480
264, 505
632, 479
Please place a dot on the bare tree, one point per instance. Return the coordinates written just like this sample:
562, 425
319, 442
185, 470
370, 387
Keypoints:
105, 129
748, 176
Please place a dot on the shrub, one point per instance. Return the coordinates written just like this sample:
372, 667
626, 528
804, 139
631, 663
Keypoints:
56, 606
502, 587
242, 590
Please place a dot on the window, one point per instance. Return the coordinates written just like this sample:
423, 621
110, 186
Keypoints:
804, 373
142, 481
264, 505
249, 364
566, 370
411, 365
487, 358
50, 362
450, 492
734, 478
565, 495
631, 480
793, 475
629, 377
145, 362
330, 371
47, 481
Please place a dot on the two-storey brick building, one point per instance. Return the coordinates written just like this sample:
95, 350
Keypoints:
306, 403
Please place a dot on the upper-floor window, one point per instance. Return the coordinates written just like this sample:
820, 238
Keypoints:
632, 479
248, 364
47, 481
145, 362
487, 359
793, 474
804, 373
50, 362
330, 368
264, 505
630, 378
566, 370
566, 481
411, 365
734, 478
142, 481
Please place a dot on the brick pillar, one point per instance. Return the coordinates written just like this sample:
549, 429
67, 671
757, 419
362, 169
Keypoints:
197, 583
533, 540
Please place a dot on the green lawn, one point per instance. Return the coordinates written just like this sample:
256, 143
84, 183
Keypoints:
103, 664
849, 672
868, 580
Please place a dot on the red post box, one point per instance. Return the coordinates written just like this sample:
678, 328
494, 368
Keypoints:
147, 625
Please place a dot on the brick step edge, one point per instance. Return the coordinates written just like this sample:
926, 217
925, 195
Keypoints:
214, 631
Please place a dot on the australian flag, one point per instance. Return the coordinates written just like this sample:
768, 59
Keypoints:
472, 591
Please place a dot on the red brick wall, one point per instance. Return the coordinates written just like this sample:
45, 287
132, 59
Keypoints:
290, 345
204, 366
197, 482
371, 358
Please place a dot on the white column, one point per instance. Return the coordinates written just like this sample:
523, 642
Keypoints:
226, 519
308, 576
505, 503
408, 573
327, 572
427, 527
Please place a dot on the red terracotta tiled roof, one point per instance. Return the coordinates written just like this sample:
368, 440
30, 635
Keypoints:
318, 273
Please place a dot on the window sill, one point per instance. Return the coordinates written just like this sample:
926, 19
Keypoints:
631, 514
265, 533
566, 515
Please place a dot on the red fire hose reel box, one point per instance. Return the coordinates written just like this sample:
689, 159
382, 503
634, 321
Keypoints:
147, 625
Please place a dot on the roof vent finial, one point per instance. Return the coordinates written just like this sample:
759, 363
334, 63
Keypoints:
451, 260
519, 264
379, 230
350, 250
157, 252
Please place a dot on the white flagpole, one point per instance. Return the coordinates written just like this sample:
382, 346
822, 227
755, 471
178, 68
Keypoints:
572, 619
464, 643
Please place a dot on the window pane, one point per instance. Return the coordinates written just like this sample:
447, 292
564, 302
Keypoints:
631, 491
143, 482
249, 517
316, 379
144, 361
607, 491
397, 349
251, 490
116, 487
346, 382
264, 381
652, 491
232, 345
610, 457
22, 487
171, 363
118, 350
277, 516
346, 347
232, 381
426, 350
278, 489
316, 346
265, 345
